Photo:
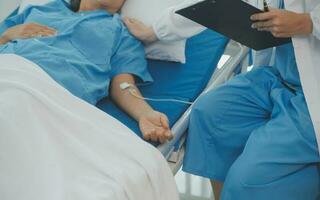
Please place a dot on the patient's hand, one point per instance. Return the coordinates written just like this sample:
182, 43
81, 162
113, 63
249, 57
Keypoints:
140, 30
155, 127
25, 31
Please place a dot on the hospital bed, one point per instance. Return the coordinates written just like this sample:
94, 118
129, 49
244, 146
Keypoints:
211, 60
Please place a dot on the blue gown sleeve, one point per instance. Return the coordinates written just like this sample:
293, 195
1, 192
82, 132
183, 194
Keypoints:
13, 20
129, 58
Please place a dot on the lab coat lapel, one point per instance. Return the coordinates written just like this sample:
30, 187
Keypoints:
307, 51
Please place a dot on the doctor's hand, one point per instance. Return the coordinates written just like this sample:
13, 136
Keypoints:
25, 31
283, 23
142, 32
155, 127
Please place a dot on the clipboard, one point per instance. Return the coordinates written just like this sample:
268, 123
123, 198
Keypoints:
231, 18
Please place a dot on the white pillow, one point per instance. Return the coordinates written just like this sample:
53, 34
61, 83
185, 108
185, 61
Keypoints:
148, 11
25, 3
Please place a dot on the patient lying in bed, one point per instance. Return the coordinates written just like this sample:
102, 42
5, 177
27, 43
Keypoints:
86, 49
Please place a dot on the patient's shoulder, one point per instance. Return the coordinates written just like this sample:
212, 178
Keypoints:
53, 5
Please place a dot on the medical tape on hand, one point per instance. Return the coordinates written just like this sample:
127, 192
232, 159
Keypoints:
132, 90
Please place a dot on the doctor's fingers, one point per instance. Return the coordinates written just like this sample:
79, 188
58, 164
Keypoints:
263, 24
273, 13
126, 19
130, 21
276, 32
272, 29
281, 35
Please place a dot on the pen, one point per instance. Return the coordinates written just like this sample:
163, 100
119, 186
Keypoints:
265, 6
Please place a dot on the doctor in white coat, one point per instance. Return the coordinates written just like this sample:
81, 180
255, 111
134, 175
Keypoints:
172, 27
257, 136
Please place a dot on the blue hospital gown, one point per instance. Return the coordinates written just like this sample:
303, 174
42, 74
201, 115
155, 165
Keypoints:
91, 47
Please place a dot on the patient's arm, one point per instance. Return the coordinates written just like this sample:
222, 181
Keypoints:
24, 31
3, 41
154, 125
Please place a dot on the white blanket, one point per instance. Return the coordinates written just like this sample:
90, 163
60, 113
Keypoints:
54, 146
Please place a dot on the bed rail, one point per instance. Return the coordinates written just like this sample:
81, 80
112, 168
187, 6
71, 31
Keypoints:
235, 56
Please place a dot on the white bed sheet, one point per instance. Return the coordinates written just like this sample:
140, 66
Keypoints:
54, 146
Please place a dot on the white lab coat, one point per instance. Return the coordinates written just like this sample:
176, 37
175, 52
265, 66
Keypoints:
307, 52
171, 26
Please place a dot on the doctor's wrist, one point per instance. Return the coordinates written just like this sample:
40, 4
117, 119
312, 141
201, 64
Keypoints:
308, 25
150, 36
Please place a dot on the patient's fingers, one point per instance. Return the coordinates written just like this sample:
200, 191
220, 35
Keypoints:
35, 28
147, 133
162, 139
164, 121
161, 135
164, 135
46, 32
43, 33
155, 127
37, 32
153, 135
168, 134
150, 134
157, 135
146, 136
39, 26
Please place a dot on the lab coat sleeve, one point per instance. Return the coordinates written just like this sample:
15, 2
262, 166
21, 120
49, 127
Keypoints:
315, 16
171, 27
